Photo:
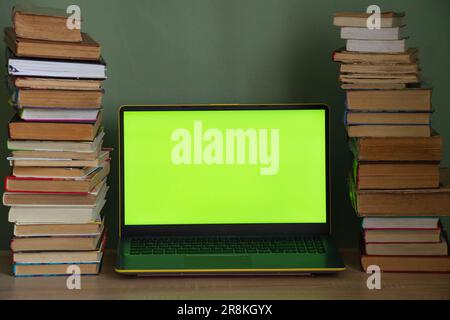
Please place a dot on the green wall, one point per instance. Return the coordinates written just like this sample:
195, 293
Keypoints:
228, 51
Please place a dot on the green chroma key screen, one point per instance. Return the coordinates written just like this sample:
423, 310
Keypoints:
224, 167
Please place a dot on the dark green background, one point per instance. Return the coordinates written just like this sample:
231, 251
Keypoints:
231, 51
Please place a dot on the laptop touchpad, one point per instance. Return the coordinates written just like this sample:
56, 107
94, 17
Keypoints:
217, 262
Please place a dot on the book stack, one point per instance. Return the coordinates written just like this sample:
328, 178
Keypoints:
58, 184
396, 184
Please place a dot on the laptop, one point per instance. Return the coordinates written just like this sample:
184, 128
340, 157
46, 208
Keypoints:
225, 190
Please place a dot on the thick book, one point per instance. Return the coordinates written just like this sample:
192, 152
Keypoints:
359, 19
34, 67
392, 118
56, 257
54, 84
380, 68
402, 236
58, 99
75, 243
87, 49
56, 131
408, 202
48, 185
54, 214
398, 149
383, 46
58, 146
408, 249
396, 175
41, 23
364, 33
56, 199
410, 56
364, 131
390, 100
433, 264
58, 115
50, 163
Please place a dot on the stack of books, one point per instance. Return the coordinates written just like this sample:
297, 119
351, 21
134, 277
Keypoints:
57, 187
396, 184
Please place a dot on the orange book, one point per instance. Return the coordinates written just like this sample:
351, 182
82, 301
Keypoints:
56, 131
33, 22
87, 49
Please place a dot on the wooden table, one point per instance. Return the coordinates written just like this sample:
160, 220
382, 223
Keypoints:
350, 284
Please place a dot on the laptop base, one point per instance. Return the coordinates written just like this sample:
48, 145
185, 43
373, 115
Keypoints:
229, 264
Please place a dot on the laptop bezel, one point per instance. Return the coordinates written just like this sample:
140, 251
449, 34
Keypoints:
222, 229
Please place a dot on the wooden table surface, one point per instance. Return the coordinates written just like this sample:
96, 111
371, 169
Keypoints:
350, 284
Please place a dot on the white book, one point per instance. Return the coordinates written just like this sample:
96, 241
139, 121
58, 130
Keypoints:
400, 223
56, 69
383, 46
41, 215
63, 115
375, 34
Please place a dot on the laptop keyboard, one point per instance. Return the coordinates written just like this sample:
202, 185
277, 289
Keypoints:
225, 245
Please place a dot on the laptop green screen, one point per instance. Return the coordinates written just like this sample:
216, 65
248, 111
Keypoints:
224, 167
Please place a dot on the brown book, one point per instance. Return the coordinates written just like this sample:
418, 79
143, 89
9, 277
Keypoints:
398, 149
46, 185
30, 165
373, 86
87, 49
359, 19
33, 230
406, 82
57, 131
363, 131
56, 154
58, 257
22, 270
390, 100
58, 146
364, 78
394, 118
410, 56
401, 235
49, 172
397, 175
55, 83
409, 202
45, 199
380, 68
55, 243
33, 22
439, 264
75, 99
408, 249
